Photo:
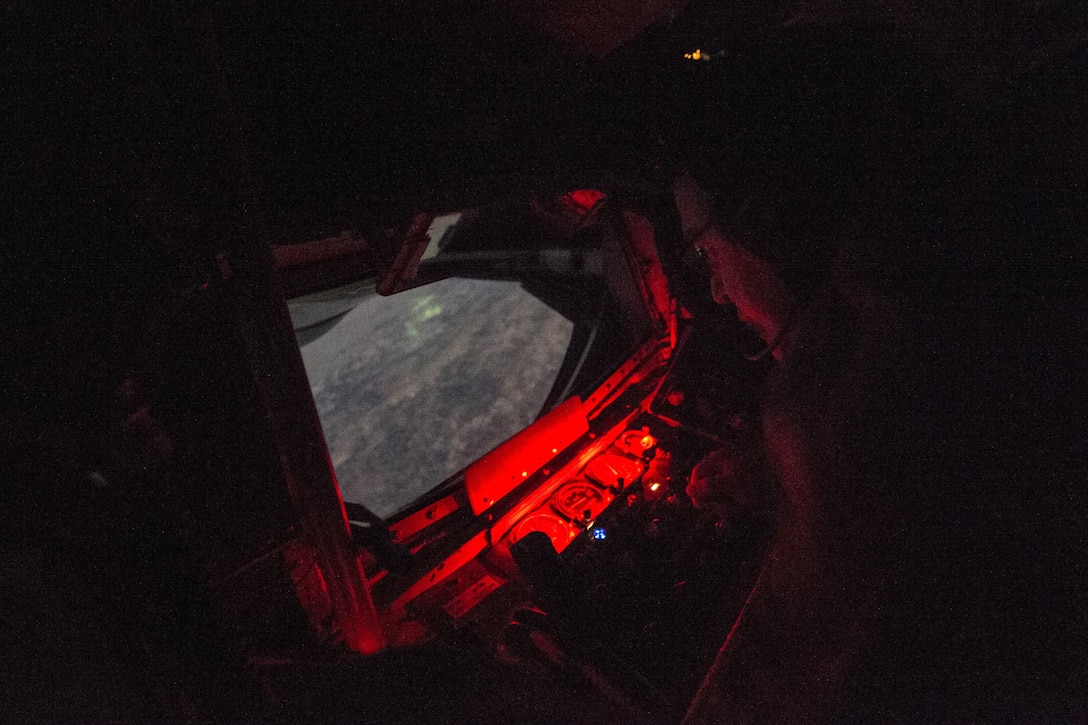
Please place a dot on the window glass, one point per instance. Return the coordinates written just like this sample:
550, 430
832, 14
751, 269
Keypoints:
413, 387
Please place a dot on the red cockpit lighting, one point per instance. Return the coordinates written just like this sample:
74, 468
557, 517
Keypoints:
583, 200
503, 469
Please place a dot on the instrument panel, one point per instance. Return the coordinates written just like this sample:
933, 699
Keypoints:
578, 503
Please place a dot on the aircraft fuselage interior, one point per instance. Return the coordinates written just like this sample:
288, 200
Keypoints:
358, 362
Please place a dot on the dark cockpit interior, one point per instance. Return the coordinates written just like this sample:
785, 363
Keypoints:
361, 361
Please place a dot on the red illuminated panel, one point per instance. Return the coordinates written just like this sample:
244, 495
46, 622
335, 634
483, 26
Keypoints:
500, 471
655, 284
636, 442
614, 471
461, 604
581, 501
559, 531
466, 553
412, 525
542, 495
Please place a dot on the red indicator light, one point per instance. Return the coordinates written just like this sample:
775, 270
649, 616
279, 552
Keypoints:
636, 442
655, 486
583, 200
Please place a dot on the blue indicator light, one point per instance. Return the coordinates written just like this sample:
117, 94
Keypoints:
600, 534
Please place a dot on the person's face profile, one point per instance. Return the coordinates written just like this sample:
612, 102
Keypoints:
736, 275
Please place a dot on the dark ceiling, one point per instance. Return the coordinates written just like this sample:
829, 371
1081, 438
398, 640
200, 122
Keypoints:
143, 129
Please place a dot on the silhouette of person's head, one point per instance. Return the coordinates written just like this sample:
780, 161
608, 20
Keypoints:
814, 141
